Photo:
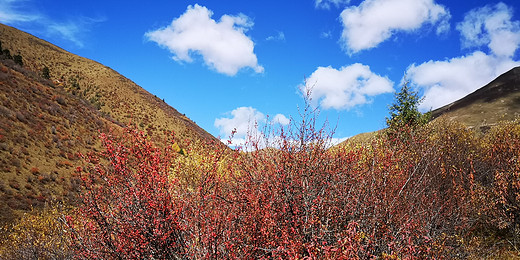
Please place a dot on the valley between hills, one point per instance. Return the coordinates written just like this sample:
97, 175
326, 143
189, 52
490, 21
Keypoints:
448, 189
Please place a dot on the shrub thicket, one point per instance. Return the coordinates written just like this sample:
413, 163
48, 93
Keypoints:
415, 198
443, 191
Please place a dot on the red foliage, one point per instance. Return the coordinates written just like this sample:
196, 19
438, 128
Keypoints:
128, 209
401, 196
35, 170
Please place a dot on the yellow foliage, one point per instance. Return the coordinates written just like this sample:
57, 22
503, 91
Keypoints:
200, 160
176, 148
40, 234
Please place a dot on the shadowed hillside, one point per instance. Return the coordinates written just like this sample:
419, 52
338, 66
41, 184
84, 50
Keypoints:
53, 107
497, 101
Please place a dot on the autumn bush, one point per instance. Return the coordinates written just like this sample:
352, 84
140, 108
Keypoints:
40, 234
129, 207
416, 193
501, 153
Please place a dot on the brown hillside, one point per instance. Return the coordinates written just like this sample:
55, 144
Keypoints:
45, 124
42, 130
114, 94
497, 101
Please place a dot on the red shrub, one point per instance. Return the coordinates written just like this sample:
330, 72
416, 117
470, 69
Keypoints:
129, 210
401, 196
35, 170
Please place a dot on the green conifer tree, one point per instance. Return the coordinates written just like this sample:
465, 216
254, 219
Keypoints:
404, 110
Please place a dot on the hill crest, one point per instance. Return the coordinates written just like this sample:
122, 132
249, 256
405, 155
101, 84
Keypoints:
497, 101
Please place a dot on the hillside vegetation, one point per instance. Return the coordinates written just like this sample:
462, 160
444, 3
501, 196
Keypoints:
436, 191
495, 102
418, 190
53, 106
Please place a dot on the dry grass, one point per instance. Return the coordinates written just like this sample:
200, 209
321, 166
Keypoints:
44, 124
497, 101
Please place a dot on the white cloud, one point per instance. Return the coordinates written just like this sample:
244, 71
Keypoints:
24, 12
374, 21
249, 125
491, 26
326, 4
335, 140
244, 120
68, 31
12, 12
281, 119
223, 45
326, 35
279, 37
446, 81
345, 88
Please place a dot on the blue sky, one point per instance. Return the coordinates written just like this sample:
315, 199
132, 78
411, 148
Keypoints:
226, 64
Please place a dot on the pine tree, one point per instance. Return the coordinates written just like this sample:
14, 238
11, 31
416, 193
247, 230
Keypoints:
404, 110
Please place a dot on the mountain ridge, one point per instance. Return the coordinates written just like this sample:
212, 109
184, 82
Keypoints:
96, 78
498, 100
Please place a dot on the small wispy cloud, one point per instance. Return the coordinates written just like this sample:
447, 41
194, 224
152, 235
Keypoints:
327, 4
23, 13
15, 11
326, 35
279, 37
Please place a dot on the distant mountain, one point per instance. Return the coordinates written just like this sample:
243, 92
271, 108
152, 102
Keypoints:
53, 107
499, 100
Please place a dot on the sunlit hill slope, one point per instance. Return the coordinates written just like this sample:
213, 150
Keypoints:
53, 107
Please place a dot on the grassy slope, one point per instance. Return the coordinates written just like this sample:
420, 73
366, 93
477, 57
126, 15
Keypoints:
118, 96
497, 101
45, 124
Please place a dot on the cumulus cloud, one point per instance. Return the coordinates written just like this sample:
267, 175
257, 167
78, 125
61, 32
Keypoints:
374, 21
248, 122
326, 4
243, 120
491, 26
223, 45
281, 119
449, 80
345, 88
